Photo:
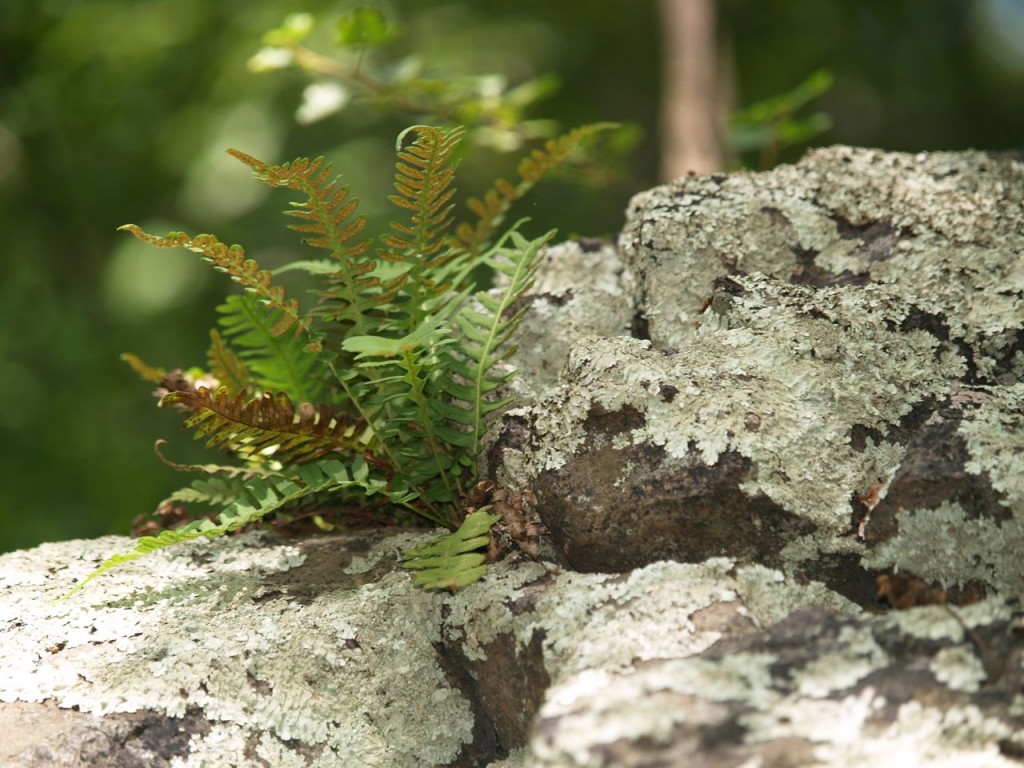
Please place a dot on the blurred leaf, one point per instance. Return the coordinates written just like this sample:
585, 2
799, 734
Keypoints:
295, 28
781, 107
770, 125
366, 27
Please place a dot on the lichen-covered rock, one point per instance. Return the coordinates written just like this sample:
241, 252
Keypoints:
954, 511
802, 326
752, 441
944, 229
925, 687
241, 651
779, 387
582, 289
253, 651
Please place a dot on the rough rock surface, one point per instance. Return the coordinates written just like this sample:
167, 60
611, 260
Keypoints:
254, 651
803, 331
778, 387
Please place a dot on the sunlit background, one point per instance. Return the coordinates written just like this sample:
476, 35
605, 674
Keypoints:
119, 111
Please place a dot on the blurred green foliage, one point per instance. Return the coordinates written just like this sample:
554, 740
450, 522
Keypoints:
115, 111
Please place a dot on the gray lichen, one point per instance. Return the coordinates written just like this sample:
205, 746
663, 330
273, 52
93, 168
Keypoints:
350, 671
952, 546
814, 689
783, 376
231, 631
942, 229
800, 325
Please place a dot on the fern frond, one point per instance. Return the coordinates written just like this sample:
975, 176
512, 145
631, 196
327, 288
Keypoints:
214, 491
483, 329
146, 371
143, 546
225, 471
226, 366
453, 560
402, 371
423, 179
267, 425
274, 363
327, 222
491, 209
246, 272
540, 162
327, 210
263, 496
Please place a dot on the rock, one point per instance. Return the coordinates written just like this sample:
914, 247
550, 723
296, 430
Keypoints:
944, 229
313, 654
802, 326
582, 289
241, 652
913, 688
953, 512
250, 650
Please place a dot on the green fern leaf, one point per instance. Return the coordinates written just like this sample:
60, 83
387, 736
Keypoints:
271, 362
232, 261
214, 491
267, 425
483, 331
143, 546
264, 495
399, 371
452, 561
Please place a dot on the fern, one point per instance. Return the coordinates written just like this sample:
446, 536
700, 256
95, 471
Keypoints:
268, 361
327, 220
214, 491
485, 327
232, 260
266, 424
227, 366
384, 389
425, 170
262, 496
491, 209
453, 561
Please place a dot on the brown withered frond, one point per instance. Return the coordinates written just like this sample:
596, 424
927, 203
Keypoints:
491, 209
226, 366
232, 261
423, 179
269, 424
327, 212
327, 222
